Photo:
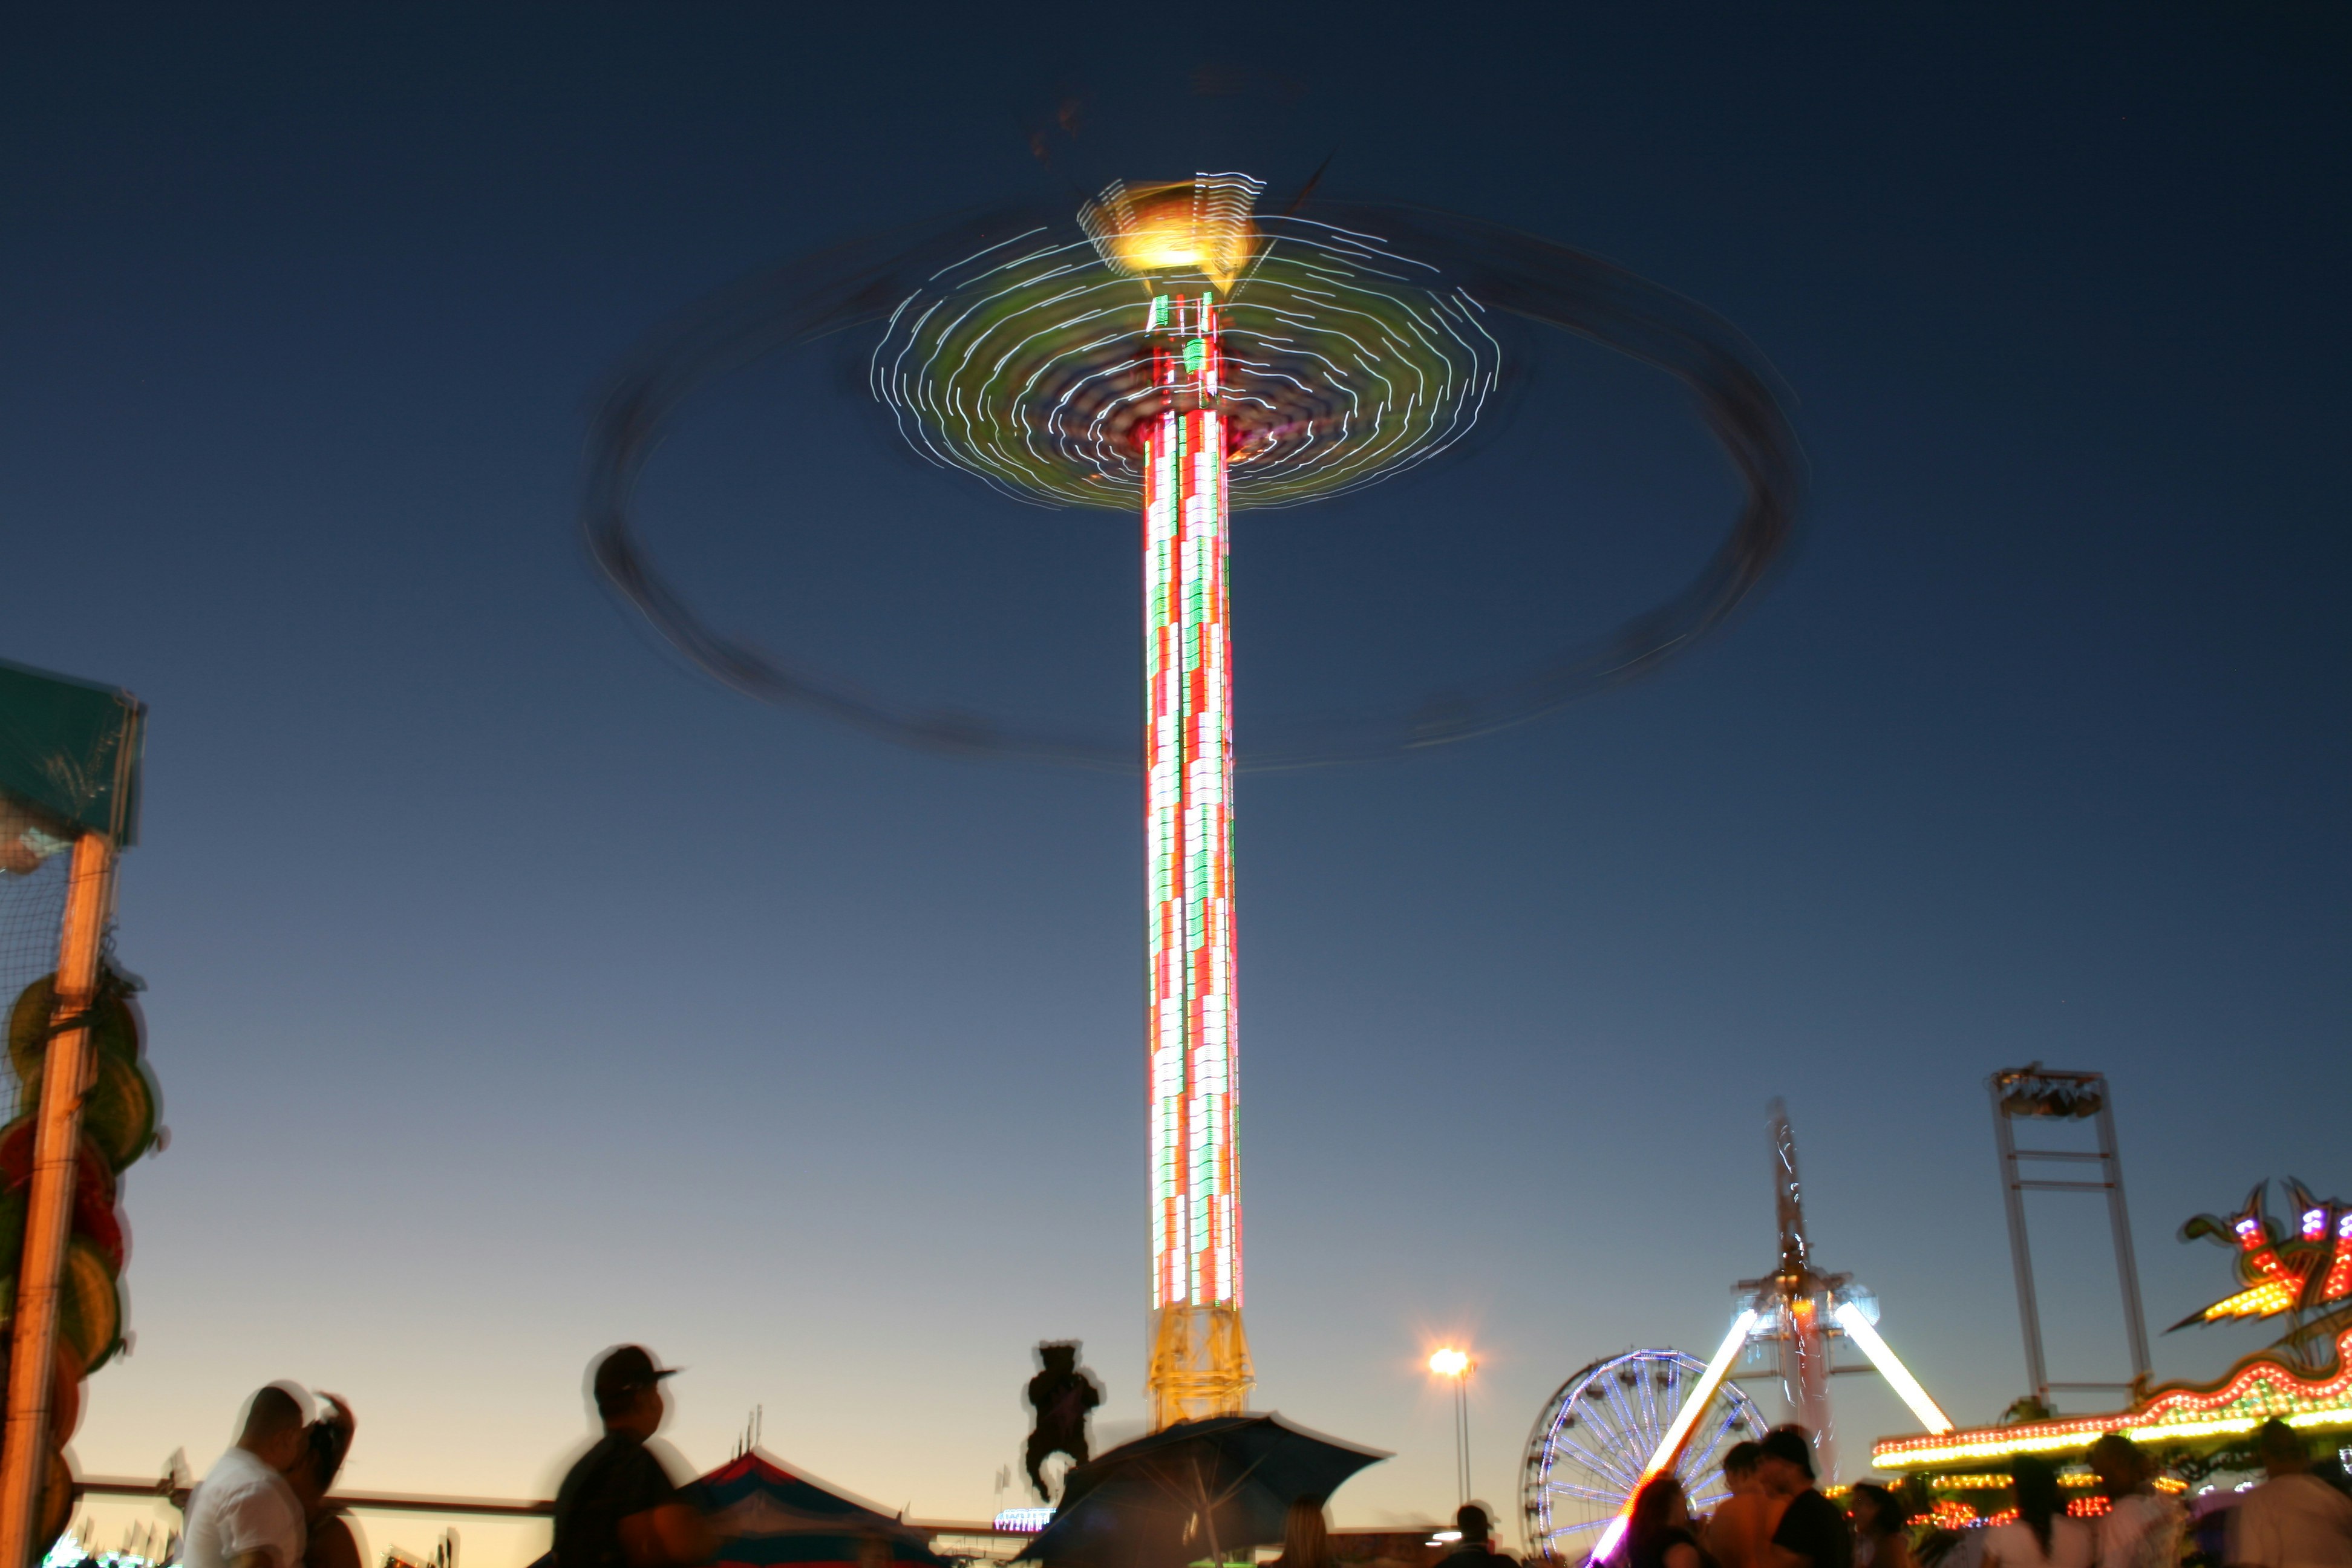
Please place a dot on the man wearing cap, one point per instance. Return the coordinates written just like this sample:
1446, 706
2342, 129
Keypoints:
1475, 1549
1813, 1531
619, 1507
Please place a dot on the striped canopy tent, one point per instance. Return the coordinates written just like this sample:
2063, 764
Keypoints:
765, 1515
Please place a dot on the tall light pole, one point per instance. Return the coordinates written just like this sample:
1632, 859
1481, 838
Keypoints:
1454, 1365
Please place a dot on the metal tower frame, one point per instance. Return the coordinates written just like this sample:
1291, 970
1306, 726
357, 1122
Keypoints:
2035, 1090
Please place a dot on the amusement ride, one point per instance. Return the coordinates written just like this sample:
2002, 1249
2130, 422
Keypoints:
1175, 351
2297, 1269
1626, 1418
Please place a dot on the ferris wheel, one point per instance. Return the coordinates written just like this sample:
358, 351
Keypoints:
1588, 1450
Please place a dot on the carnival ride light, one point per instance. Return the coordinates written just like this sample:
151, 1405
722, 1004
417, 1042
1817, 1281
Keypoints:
2263, 1301
2282, 1268
2260, 1392
1670, 1446
1359, 341
1197, 225
1898, 1377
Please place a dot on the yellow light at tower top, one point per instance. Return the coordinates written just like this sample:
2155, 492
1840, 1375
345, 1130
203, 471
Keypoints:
1200, 226
1448, 1362
1163, 240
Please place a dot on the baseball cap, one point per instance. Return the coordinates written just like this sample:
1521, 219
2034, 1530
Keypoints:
1789, 1443
625, 1370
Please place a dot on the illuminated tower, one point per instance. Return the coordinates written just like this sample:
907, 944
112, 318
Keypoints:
1187, 243
1200, 1361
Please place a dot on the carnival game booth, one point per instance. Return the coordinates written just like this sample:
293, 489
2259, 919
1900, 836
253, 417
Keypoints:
2297, 1269
766, 1516
2189, 1430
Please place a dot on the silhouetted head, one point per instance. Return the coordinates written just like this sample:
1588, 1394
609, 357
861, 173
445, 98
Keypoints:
2121, 1467
1059, 1355
628, 1391
2034, 1480
1784, 1459
1659, 1506
2282, 1449
1306, 1535
1739, 1464
1472, 1521
1876, 1511
272, 1432
325, 1444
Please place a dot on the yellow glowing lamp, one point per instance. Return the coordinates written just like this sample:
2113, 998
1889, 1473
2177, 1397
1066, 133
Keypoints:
1200, 226
1447, 1362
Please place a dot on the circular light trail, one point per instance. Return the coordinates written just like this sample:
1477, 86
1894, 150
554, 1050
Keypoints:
1343, 364
1357, 341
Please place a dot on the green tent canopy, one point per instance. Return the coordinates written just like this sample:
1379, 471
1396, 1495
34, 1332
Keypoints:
70, 750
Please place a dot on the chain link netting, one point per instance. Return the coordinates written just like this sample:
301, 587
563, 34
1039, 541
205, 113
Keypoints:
31, 914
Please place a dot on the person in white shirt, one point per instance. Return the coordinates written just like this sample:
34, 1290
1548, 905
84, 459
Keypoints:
2293, 1519
242, 1514
2141, 1528
2042, 1536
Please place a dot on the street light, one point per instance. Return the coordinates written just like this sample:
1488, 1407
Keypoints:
1449, 1362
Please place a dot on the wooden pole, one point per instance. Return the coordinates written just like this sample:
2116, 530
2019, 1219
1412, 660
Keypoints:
66, 1078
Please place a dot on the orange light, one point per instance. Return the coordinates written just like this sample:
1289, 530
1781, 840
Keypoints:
1447, 1362
1198, 225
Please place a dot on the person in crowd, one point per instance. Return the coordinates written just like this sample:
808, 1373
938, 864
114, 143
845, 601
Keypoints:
1305, 1536
2293, 1519
1739, 1533
1475, 1549
244, 1514
619, 1507
1658, 1534
2042, 1535
1812, 1531
328, 1538
2141, 1528
1880, 1540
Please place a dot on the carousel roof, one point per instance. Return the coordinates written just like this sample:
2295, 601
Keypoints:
766, 1514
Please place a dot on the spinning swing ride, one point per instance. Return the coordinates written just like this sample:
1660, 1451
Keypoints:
1176, 352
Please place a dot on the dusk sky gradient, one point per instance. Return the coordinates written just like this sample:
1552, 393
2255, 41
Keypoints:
516, 989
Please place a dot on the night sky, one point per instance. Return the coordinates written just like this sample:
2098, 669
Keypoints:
517, 990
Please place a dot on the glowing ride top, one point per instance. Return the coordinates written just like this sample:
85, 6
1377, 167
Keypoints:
1343, 362
1358, 341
